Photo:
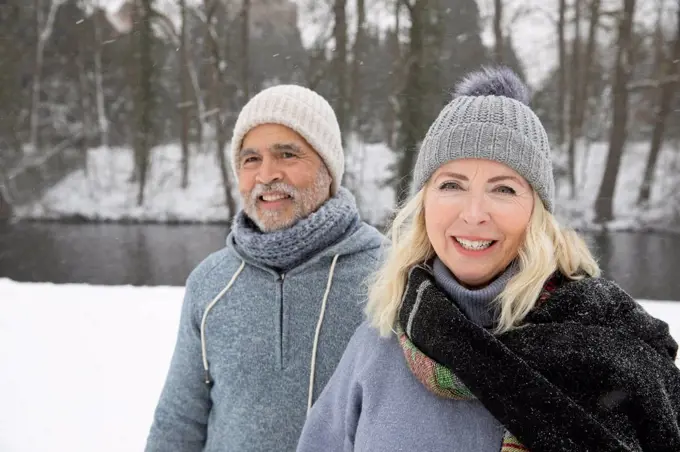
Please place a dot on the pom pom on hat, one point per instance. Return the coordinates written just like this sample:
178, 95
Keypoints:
500, 81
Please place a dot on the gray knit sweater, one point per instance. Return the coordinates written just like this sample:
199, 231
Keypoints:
259, 339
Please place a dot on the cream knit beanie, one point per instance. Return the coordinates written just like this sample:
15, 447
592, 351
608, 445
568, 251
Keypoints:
303, 111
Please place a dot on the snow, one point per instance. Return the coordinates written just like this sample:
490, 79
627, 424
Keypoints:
83, 366
108, 194
664, 206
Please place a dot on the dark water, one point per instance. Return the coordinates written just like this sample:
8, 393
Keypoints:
646, 265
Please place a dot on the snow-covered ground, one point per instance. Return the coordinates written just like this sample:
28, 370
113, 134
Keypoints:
108, 194
83, 366
663, 212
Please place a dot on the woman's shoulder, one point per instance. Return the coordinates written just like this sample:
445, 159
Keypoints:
601, 302
370, 351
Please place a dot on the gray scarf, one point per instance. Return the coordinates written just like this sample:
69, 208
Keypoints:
287, 248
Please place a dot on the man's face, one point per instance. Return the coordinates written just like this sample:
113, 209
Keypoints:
281, 178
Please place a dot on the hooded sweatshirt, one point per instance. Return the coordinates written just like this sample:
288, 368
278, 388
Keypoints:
270, 342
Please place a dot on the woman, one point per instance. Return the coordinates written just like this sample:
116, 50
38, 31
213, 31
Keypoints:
489, 328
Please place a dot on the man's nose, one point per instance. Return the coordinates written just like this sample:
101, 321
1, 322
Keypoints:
268, 172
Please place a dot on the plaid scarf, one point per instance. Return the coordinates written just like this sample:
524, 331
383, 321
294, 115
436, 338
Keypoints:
441, 381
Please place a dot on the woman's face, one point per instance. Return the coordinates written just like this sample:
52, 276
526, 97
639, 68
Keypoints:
476, 215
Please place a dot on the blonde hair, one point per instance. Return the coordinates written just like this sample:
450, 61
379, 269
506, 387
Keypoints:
547, 247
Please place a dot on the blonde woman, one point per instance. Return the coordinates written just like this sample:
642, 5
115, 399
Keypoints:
489, 328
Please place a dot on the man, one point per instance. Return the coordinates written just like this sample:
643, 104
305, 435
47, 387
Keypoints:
266, 319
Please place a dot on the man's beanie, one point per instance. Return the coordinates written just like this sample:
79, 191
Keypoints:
490, 118
301, 110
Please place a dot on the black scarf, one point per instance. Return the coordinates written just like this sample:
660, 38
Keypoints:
589, 370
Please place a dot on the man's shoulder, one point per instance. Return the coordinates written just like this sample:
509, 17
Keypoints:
365, 243
214, 268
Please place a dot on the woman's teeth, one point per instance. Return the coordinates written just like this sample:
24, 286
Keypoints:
474, 245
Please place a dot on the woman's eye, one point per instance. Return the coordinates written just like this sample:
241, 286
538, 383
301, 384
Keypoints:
505, 190
450, 186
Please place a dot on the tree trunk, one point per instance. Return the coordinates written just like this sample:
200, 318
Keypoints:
37, 70
587, 68
340, 63
83, 104
498, 31
245, 52
184, 95
411, 111
562, 73
217, 95
144, 125
604, 205
43, 33
575, 75
666, 95
357, 60
99, 83
394, 80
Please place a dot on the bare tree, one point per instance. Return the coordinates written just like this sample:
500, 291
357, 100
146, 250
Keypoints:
191, 71
217, 95
575, 77
396, 78
83, 101
498, 31
340, 63
604, 205
245, 52
143, 99
102, 119
411, 110
562, 72
666, 93
587, 65
184, 95
581, 71
44, 30
357, 61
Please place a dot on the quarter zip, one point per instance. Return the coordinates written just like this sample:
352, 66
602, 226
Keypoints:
282, 333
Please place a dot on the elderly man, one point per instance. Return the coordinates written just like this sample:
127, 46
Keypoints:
266, 319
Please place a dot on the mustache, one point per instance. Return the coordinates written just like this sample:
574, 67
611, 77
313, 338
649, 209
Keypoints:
280, 187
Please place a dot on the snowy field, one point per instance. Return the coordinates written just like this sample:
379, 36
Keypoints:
83, 366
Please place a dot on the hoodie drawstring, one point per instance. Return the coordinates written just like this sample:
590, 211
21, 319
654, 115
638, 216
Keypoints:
208, 379
324, 302
318, 331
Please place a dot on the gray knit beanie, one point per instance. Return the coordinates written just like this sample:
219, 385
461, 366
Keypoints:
489, 118
301, 110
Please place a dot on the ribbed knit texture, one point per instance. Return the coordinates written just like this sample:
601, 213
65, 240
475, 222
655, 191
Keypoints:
489, 127
301, 110
476, 304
